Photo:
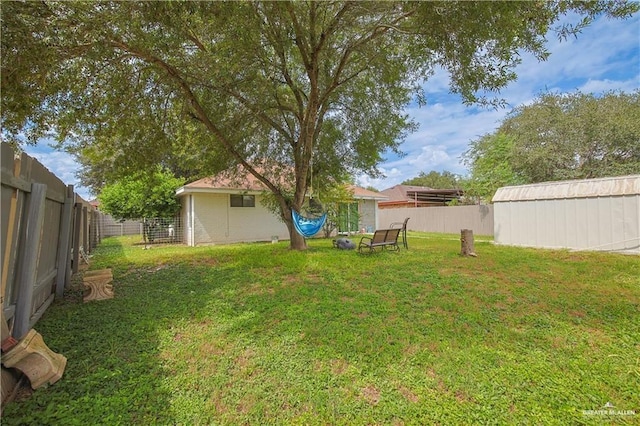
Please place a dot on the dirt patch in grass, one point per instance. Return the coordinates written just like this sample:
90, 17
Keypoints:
339, 366
462, 397
257, 289
247, 402
217, 400
408, 394
243, 360
211, 349
205, 261
291, 279
371, 394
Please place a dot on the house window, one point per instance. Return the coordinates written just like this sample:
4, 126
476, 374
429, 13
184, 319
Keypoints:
239, 200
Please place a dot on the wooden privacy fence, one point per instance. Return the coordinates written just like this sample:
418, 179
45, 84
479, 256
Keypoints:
447, 220
46, 228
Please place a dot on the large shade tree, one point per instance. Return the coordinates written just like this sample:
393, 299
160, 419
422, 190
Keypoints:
287, 90
490, 161
558, 137
576, 136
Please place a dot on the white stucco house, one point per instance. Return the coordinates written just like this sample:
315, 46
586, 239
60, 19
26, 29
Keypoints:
219, 210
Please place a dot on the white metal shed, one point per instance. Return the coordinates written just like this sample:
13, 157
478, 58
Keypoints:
592, 214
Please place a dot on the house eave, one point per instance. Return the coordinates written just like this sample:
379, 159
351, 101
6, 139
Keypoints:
360, 197
186, 191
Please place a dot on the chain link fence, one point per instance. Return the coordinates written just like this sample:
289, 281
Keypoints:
151, 231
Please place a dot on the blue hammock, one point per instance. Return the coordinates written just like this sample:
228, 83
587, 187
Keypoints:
305, 226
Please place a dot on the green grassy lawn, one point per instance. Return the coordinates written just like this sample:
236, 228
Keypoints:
258, 334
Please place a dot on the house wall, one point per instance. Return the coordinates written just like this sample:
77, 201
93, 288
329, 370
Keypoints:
367, 215
214, 221
610, 223
185, 216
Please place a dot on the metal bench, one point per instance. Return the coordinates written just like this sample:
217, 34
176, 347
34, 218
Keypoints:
384, 238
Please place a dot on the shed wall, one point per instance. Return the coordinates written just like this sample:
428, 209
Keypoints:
593, 223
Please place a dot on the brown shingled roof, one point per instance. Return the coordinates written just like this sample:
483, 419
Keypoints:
359, 192
247, 182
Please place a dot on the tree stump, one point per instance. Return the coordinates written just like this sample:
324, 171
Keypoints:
466, 242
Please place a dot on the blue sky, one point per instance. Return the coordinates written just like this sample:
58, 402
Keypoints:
606, 56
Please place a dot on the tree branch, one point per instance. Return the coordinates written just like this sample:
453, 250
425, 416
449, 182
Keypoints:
299, 40
199, 111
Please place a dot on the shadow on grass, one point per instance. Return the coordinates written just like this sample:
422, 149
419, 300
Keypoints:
134, 359
114, 373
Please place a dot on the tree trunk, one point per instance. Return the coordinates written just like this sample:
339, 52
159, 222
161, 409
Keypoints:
466, 241
296, 241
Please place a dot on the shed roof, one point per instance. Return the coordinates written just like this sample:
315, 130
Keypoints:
603, 187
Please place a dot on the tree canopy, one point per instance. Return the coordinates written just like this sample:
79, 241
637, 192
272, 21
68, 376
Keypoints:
138, 196
312, 87
559, 137
435, 180
490, 162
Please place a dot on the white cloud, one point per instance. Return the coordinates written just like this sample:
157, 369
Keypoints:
438, 82
392, 174
430, 157
600, 86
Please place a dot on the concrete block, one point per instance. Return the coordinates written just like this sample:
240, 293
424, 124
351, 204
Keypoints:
99, 284
34, 358
98, 272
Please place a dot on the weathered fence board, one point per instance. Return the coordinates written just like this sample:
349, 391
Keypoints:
64, 242
28, 269
39, 231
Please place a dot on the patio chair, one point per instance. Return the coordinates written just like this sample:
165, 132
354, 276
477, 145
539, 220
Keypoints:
403, 231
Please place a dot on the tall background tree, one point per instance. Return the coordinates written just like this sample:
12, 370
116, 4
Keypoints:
316, 87
490, 161
142, 196
559, 137
435, 180
146, 196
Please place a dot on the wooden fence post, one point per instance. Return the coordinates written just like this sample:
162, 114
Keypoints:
77, 227
28, 269
64, 239
10, 239
96, 220
85, 231
69, 265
